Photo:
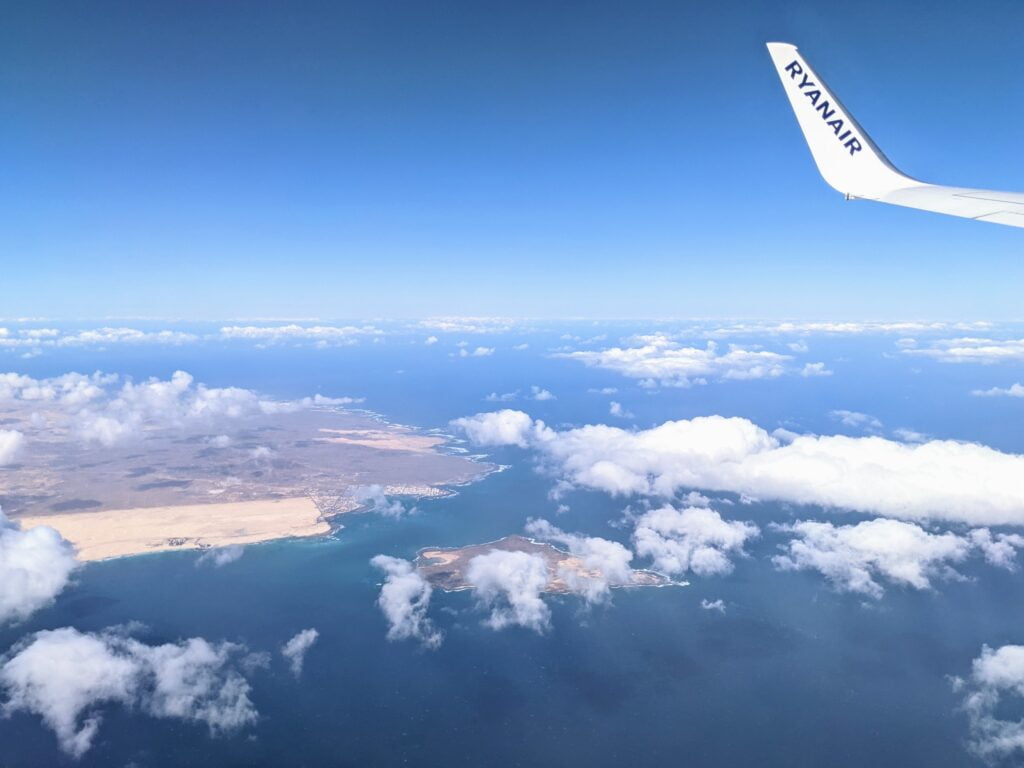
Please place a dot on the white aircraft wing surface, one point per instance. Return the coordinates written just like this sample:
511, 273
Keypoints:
852, 164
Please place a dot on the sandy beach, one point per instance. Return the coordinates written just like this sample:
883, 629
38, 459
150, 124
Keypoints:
120, 532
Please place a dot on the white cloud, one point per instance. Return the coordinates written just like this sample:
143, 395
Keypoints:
995, 674
713, 605
856, 420
604, 563
404, 599
218, 557
100, 336
971, 349
12, 443
910, 435
659, 360
690, 539
1014, 390
104, 413
66, 676
935, 480
521, 347
326, 334
295, 649
616, 409
37, 338
35, 566
469, 324
505, 427
999, 549
814, 369
843, 328
69, 389
375, 500
430, 340
604, 391
509, 585
855, 558
478, 352
505, 397
538, 393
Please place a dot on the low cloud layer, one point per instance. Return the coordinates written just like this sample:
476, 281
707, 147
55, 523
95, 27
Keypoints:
35, 566
970, 349
1014, 390
605, 563
322, 335
67, 677
932, 480
104, 409
12, 442
509, 585
996, 675
859, 558
658, 360
693, 539
295, 650
373, 498
404, 599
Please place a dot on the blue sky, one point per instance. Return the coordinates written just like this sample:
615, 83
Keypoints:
406, 159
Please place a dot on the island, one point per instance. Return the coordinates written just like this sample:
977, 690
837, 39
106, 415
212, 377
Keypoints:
446, 568
236, 481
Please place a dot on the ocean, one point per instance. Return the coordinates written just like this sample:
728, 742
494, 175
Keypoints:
792, 673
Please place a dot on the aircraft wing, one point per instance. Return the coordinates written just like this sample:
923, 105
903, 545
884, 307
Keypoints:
852, 164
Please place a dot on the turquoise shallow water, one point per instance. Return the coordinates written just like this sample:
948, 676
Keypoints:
792, 674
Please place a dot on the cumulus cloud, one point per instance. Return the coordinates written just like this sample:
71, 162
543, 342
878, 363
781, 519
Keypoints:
692, 539
69, 389
404, 599
505, 427
469, 324
934, 480
1014, 390
995, 675
12, 443
856, 558
294, 651
66, 677
324, 334
509, 585
856, 420
375, 500
814, 369
430, 340
504, 397
478, 352
605, 563
971, 349
843, 328
35, 566
102, 412
659, 360
713, 605
616, 409
539, 393
38, 338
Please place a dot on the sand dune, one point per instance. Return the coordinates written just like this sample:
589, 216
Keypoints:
119, 532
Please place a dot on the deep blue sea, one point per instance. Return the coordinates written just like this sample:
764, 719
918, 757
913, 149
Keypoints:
792, 674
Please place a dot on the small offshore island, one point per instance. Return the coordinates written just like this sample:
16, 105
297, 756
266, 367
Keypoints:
446, 568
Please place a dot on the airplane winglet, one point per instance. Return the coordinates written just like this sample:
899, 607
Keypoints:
845, 155
852, 164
